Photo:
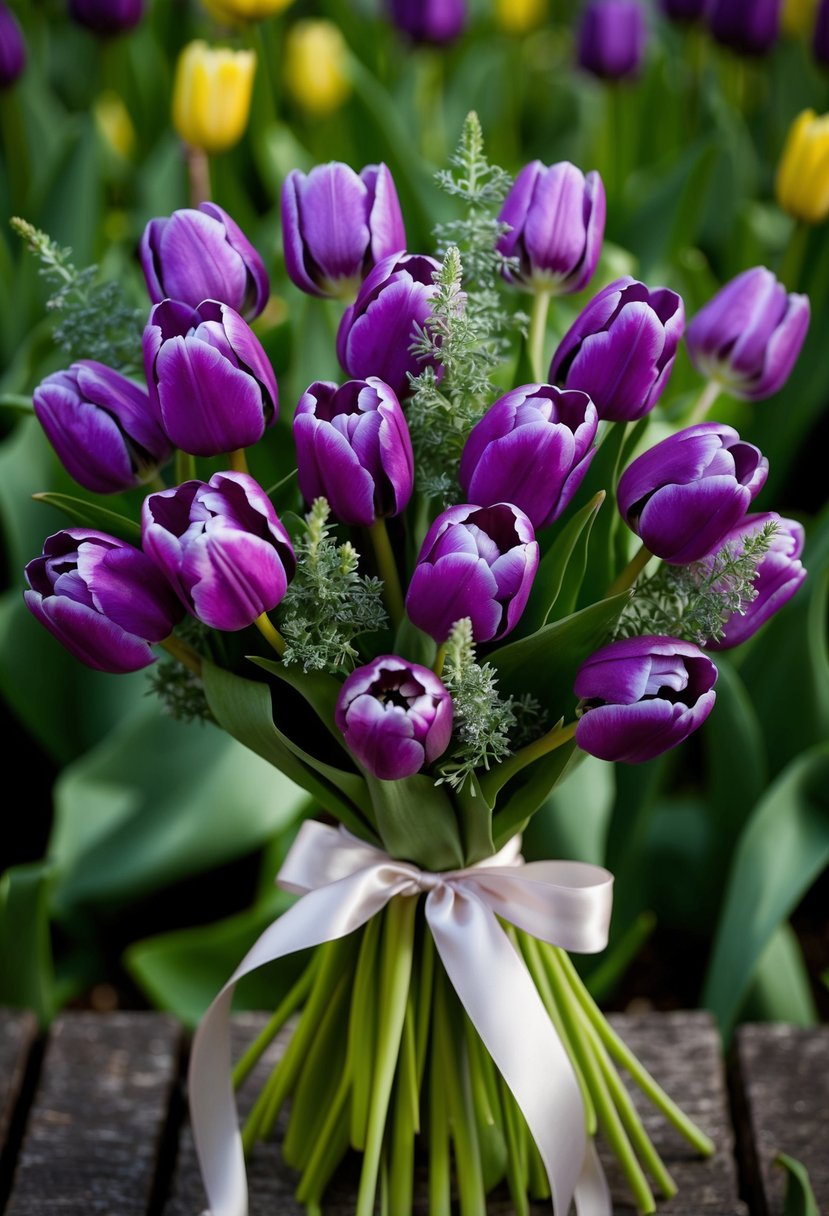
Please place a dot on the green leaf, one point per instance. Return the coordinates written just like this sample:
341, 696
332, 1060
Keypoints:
26, 973
547, 585
92, 515
573, 821
784, 847
475, 817
416, 821
319, 690
800, 1198
780, 988
526, 793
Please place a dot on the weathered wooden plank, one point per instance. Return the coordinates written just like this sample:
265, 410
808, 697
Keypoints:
18, 1033
782, 1081
93, 1134
681, 1050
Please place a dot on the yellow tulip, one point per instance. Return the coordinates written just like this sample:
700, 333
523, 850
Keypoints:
798, 17
315, 66
519, 16
802, 183
237, 11
211, 95
112, 119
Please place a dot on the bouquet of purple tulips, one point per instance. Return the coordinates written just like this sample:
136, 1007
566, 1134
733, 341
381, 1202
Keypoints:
450, 613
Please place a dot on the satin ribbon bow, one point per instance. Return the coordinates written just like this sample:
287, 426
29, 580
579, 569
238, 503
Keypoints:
344, 882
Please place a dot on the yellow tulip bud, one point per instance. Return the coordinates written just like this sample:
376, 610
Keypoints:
211, 95
235, 12
802, 183
315, 66
113, 120
519, 16
798, 17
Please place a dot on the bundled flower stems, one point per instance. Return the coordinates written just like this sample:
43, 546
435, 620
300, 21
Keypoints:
480, 572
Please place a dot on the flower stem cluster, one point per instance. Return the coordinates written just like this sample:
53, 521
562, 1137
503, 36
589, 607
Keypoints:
329, 603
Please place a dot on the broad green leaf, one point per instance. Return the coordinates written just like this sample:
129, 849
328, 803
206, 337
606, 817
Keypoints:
547, 585
572, 824
619, 955
780, 989
783, 848
319, 690
800, 1198
416, 821
526, 793
672, 199
92, 515
26, 974
475, 817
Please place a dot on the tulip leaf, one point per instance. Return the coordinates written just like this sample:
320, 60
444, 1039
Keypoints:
576, 566
527, 792
319, 690
783, 848
800, 1198
416, 821
92, 515
26, 975
603, 474
547, 584
780, 989
475, 815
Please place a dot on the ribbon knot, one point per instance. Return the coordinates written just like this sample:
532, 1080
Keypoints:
344, 883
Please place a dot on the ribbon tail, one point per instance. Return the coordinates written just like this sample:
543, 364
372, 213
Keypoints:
592, 1195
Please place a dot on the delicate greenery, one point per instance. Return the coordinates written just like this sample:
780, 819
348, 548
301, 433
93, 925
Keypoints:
487, 726
93, 319
329, 603
694, 602
180, 691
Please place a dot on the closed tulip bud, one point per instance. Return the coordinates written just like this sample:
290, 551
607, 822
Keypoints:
237, 12
779, 574
749, 335
748, 26
353, 448
435, 21
377, 331
107, 17
820, 34
520, 16
316, 67
102, 427
221, 547
642, 696
683, 495
337, 225
802, 182
210, 379
531, 448
12, 48
683, 10
556, 219
395, 716
612, 38
104, 600
203, 255
621, 348
478, 562
211, 95
112, 118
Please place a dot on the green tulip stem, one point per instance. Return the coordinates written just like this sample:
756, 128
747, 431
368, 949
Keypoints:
20, 403
388, 570
458, 1098
703, 403
791, 261
185, 467
270, 633
362, 1027
506, 770
184, 653
630, 573
440, 1203
156, 484
266, 1036
238, 461
440, 659
538, 333
516, 1152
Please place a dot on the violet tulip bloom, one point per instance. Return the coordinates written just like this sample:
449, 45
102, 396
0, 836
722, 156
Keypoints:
478, 562
377, 331
353, 448
748, 26
556, 218
612, 38
621, 348
102, 427
435, 21
12, 48
683, 495
395, 716
103, 599
337, 225
531, 448
222, 548
779, 574
820, 34
642, 696
107, 17
210, 379
203, 255
749, 335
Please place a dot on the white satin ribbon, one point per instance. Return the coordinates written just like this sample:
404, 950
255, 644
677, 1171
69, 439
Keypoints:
344, 882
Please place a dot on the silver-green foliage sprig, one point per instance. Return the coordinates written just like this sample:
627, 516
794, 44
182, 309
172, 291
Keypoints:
92, 319
329, 604
694, 602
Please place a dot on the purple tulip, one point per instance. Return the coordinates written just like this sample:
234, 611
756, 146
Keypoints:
396, 717
203, 255
612, 38
642, 696
337, 225
12, 48
353, 448
748, 26
621, 348
102, 427
684, 495
556, 218
683, 10
107, 17
749, 335
435, 21
209, 377
531, 448
820, 34
103, 599
377, 331
478, 562
779, 574
222, 548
